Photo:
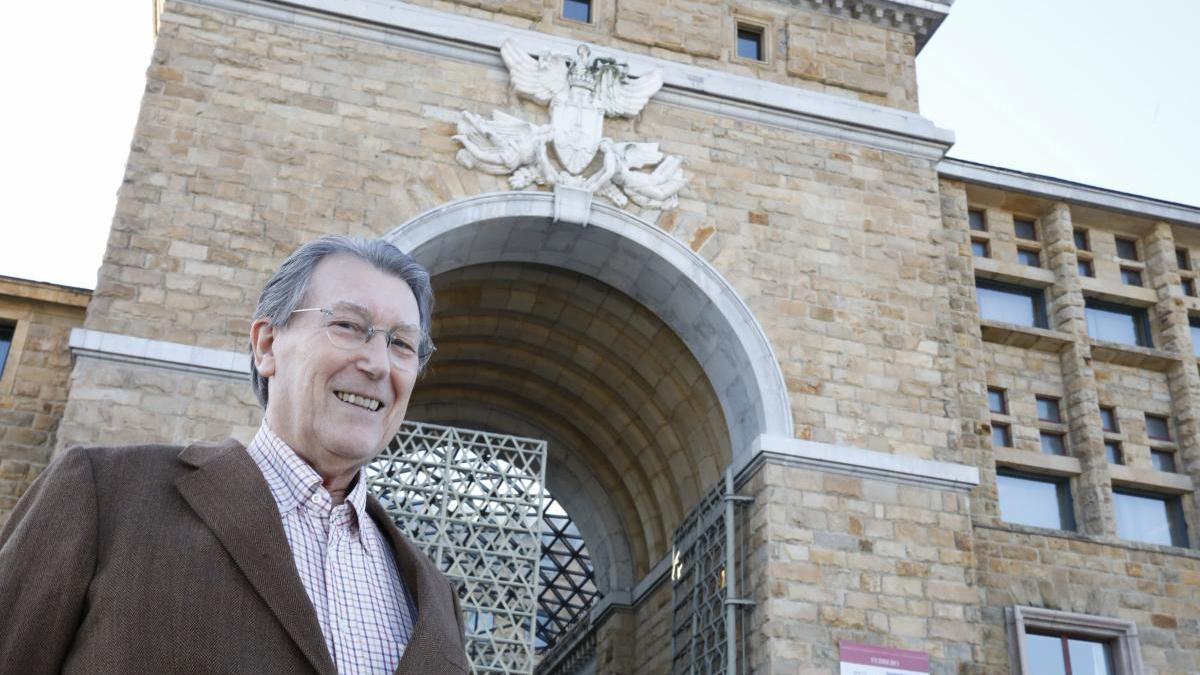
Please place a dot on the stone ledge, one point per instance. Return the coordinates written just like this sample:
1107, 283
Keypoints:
1025, 337
1152, 480
1136, 357
86, 343
1111, 541
857, 462
44, 291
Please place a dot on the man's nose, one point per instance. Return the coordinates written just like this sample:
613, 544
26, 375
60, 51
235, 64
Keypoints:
376, 361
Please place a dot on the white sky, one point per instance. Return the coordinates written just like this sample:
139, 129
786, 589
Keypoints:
1104, 92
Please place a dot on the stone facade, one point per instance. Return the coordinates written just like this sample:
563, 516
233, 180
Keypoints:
848, 245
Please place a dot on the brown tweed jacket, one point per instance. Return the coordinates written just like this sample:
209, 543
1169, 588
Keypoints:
150, 559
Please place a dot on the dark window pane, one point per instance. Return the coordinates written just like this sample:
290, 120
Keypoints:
1027, 256
1183, 259
749, 43
1188, 286
1112, 450
1150, 518
1131, 277
1194, 328
1116, 323
980, 248
1011, 304
1053, 444
1081, 240
997, 402
976, 220
1035, 501
1127, 249
1162, 460
1001, 436
1085, 268
1045, 653
1047, 409
1108, 418
6, 337
1158, 428
1090, 658
578, 10
1025, 229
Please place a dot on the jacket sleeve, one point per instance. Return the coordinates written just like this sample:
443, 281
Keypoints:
47, 559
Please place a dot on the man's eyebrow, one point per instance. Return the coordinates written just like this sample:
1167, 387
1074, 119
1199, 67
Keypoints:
366, 314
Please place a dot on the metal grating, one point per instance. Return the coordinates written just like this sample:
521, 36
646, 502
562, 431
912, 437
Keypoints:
473, 502
568, 587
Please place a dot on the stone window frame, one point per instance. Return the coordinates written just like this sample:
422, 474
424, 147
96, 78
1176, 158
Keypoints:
1121, 635
601, 23
1049, 427
766, 29
20, 318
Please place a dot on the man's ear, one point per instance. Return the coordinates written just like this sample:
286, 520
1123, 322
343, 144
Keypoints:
262, 338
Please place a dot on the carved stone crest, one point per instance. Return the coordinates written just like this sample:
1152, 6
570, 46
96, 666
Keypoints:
581, 91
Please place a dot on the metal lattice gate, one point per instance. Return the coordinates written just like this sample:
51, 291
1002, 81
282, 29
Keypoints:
706, 572
473, 502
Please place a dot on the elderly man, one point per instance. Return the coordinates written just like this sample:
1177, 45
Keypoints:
271, 558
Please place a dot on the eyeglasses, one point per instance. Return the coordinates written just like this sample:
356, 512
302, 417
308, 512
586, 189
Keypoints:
346, 332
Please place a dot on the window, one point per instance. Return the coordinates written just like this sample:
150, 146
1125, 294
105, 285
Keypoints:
1011, 304
1029, 256
1001, 435
1112, 451
1149, 518
750, 42
1131, 277
578, 10
1183, 259
6, 338
1048, 409
1053, 443
1053, 440
1163, 460
1035, 500
1108, 418
1025, 228
1188, 286
980, 249
997, 401
1046, 641
976, 220
1117, 323
1157, 427
1081, 240
1085, 268
1193, 328
1127, 249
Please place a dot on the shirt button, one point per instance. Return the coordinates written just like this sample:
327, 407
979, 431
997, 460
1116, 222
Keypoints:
316, 498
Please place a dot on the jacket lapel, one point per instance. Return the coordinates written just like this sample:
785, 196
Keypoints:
228, 493
437, 641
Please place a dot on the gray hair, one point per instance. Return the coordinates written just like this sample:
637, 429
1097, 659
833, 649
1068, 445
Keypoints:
287, 287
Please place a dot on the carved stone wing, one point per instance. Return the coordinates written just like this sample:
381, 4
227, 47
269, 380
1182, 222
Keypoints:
626, 96
540, 79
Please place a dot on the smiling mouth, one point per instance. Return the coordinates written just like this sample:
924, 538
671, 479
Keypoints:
360, 401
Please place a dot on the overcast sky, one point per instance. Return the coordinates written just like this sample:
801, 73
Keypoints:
1103, 92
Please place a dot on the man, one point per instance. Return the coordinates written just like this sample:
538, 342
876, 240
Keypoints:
270, 558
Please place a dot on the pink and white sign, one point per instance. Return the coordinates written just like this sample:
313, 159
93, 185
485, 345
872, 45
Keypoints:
874, 660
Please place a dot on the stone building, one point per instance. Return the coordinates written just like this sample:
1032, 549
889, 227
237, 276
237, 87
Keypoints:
962, 399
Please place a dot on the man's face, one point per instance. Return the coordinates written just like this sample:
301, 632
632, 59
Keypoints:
310, 378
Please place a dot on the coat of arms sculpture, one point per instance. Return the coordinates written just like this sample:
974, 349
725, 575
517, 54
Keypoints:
581, 91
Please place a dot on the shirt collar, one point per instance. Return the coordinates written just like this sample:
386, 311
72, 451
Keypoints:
293, 482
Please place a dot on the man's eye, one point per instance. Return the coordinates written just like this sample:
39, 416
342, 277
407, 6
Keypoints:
402, 346
346, 327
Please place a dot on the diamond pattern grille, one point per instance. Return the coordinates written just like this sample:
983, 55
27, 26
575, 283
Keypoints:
698, 588
568, 579
473, 502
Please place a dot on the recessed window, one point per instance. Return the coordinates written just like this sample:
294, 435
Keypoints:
578, 10
1050, 642
1001, 435
1183, 259
997, 401
1117, 323
1035, 500
1157, 427
1029, 256
980, 248
1085, 268
1081, 240
7, 329
1113, 452
1010, 303
1108, 418
1025, 228
1131, 277
976, 220
750, 42
1194, 329
1048, 409
1149, 518
1053, 443
1127, 248
1163, 460
1061, 654
1188, 286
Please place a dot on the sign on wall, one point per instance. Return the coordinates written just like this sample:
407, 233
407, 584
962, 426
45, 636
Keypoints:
859, 659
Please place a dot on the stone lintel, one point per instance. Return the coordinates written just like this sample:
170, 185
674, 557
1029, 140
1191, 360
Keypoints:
1075, 193
86, 343
858, 462
473, 40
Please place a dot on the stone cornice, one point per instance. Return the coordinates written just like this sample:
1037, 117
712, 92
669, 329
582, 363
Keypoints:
1067, 191
44, 291
87, 343
472, 40
919, 17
